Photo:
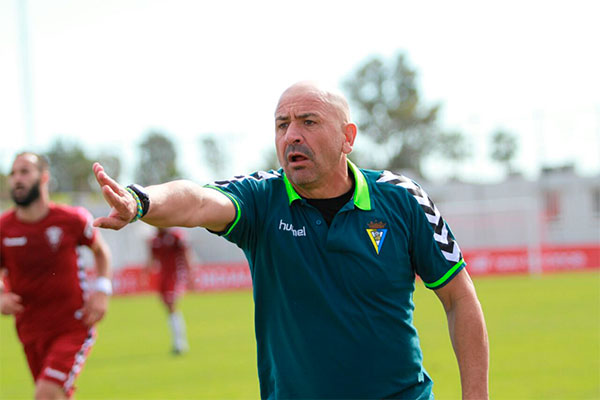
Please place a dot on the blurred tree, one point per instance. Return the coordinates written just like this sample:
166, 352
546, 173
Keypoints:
158, 160
504, 149
385, 98
213, 154
456, 149
70, 168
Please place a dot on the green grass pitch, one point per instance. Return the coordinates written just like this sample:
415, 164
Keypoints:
544, 341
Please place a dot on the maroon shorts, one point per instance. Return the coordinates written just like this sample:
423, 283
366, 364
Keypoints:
60, 358
170, 290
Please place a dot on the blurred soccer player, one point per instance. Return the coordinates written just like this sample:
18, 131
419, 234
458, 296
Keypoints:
55, 312
169, 250
334, 251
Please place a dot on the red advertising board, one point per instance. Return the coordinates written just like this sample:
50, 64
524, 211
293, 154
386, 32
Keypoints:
522, 259
207, 277
229, 276
561, 258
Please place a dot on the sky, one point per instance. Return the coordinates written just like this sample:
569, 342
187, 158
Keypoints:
106, 72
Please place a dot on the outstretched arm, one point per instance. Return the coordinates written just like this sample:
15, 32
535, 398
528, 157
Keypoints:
468, 334
176, 203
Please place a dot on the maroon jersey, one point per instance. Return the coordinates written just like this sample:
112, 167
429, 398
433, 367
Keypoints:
168, 247
41, 259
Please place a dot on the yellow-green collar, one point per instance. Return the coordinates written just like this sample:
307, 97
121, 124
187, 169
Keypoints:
362, 197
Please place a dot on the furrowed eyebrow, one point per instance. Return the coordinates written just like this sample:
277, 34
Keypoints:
307, 115
300, 116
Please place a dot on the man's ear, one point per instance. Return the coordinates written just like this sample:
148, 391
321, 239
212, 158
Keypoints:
45, 177
350, 131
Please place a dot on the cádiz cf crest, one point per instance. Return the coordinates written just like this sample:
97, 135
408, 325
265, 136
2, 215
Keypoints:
377, 232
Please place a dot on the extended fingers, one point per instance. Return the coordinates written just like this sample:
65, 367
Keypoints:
122, 203
117, 200
98, 169
110, 223
105, 180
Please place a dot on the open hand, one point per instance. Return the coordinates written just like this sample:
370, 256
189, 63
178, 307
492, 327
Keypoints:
123, 205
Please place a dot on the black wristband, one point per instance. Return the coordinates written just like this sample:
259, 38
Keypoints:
143, 196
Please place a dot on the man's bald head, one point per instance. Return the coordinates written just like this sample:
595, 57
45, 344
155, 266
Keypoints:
330, 97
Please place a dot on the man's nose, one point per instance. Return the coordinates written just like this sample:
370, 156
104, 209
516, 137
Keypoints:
294, 133
15, 177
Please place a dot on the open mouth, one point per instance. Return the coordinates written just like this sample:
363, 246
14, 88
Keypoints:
296, 157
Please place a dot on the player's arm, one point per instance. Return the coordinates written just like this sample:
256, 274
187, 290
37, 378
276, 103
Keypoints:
10, 303
96, 304
102, 257
176, 203
468, 334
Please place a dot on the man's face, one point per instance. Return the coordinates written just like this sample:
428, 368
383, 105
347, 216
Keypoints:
309, 138
25, 180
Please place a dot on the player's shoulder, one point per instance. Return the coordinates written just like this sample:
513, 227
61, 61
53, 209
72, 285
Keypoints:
390, 181
66, 211
257, 178
396, 188
8, 216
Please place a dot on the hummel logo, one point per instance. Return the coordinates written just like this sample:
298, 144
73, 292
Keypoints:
283, 226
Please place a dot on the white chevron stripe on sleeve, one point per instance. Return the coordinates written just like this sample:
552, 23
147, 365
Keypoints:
443, 239
257, 176
455, 255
